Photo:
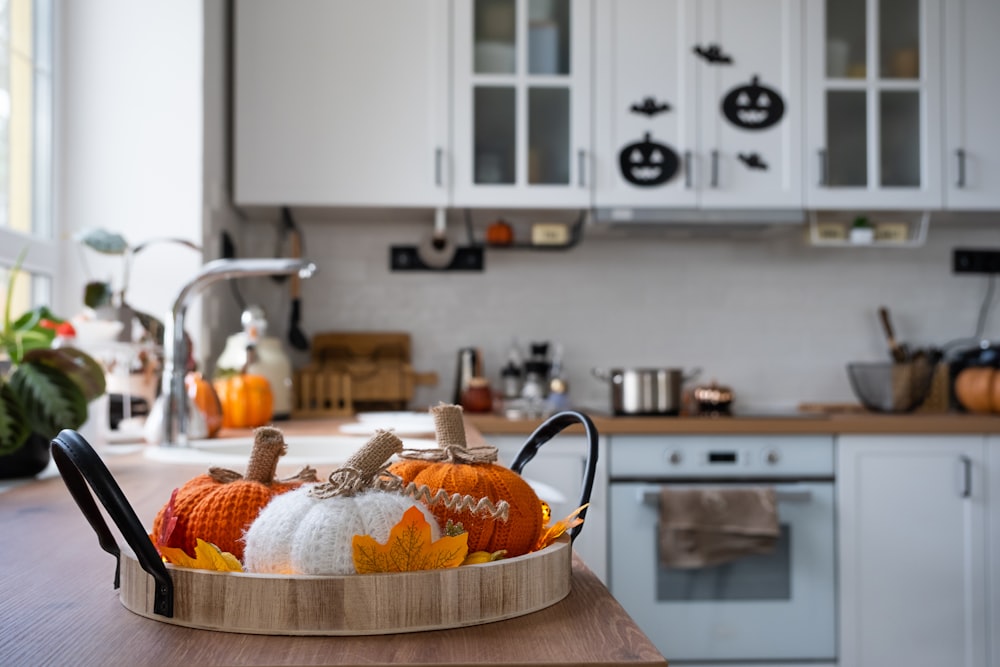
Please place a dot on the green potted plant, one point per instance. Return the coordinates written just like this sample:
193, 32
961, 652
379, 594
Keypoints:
43, 389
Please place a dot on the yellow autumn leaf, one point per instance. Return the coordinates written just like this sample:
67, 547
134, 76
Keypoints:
409, 548
551, 533
207, 557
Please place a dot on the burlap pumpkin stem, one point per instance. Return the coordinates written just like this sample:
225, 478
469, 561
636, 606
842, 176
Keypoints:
364, 469
268, 447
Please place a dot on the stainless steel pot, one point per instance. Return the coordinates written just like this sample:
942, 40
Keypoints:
645, 391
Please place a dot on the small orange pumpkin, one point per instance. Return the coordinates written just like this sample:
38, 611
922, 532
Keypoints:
456, 469
219, 506
977, 388
202, 393
247, 400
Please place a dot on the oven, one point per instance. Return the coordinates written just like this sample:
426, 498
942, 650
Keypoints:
776, 606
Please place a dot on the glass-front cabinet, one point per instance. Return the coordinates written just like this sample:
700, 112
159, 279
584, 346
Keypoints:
873, 89
521, 101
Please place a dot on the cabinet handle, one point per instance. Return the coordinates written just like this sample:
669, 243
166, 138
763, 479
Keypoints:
960, 154
823, 176
965, 480
582, 167
715, 169
687, 169
438, 160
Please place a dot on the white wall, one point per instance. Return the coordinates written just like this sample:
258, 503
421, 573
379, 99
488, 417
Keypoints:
771, 317
129, 142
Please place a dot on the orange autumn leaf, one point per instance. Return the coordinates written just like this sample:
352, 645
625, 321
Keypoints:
207, 557
551, 533
409, 548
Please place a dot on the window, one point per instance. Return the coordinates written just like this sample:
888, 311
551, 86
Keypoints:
26, 171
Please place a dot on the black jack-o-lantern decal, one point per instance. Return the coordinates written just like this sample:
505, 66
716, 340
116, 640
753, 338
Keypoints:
648, 163
753, 106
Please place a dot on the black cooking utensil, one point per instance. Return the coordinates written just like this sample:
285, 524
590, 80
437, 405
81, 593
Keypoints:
296, 337
897, 350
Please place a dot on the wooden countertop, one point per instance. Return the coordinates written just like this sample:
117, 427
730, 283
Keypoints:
799, 423
58, 605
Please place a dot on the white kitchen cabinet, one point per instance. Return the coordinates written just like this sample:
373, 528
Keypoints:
873, 104
521, 103
972, 96
698, 103
341, 103
912, 551
559, 465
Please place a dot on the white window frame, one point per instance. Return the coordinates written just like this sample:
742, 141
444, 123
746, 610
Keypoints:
42, 258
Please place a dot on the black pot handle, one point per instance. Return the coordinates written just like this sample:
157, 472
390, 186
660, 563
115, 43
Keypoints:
80, 466
549, 428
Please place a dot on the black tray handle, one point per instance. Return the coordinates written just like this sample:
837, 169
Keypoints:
549, 428
80, 466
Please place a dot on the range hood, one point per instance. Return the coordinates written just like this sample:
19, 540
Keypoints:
696, 217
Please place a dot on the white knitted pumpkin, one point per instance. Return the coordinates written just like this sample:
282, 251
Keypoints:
298, 533
311, 529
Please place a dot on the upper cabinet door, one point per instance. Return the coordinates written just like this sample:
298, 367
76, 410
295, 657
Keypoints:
645, 103
972, 96
698, 103
341, 103
874, 104
521, 103
751, 108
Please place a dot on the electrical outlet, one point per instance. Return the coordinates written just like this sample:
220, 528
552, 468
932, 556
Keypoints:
967, 260
407, 258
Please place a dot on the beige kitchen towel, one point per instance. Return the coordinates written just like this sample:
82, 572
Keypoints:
701, 527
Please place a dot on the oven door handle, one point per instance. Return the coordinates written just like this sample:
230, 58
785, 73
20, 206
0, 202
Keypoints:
651, 496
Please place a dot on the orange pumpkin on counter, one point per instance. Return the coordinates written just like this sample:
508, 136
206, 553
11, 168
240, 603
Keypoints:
977, 388
202, 393
246, 399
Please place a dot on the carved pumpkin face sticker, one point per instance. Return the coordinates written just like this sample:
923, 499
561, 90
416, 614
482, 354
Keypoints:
754, 106
648, 163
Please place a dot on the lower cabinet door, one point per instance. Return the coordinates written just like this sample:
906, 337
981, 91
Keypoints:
912, 552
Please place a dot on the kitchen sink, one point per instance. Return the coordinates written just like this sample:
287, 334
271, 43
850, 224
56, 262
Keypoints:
315, 450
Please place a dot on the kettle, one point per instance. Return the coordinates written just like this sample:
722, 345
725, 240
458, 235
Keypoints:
269, 359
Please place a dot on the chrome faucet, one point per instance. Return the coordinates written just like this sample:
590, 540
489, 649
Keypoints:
174, 429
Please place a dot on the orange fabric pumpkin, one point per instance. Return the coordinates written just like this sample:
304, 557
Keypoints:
202, 393
219, 506
460, 470
247, 401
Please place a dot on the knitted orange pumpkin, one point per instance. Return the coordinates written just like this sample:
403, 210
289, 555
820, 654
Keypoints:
201, 392
219, 506
456, 469
247, 401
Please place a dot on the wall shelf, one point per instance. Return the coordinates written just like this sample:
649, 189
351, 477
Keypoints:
890, 229
522, 229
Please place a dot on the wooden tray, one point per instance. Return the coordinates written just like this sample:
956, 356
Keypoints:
369, 604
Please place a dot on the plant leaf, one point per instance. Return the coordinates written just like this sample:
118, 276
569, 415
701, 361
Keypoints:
409, 548
97, 293
13, 420
103, 241
75, 364
51, 400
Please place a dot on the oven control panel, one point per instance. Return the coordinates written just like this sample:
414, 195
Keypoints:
777, 456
